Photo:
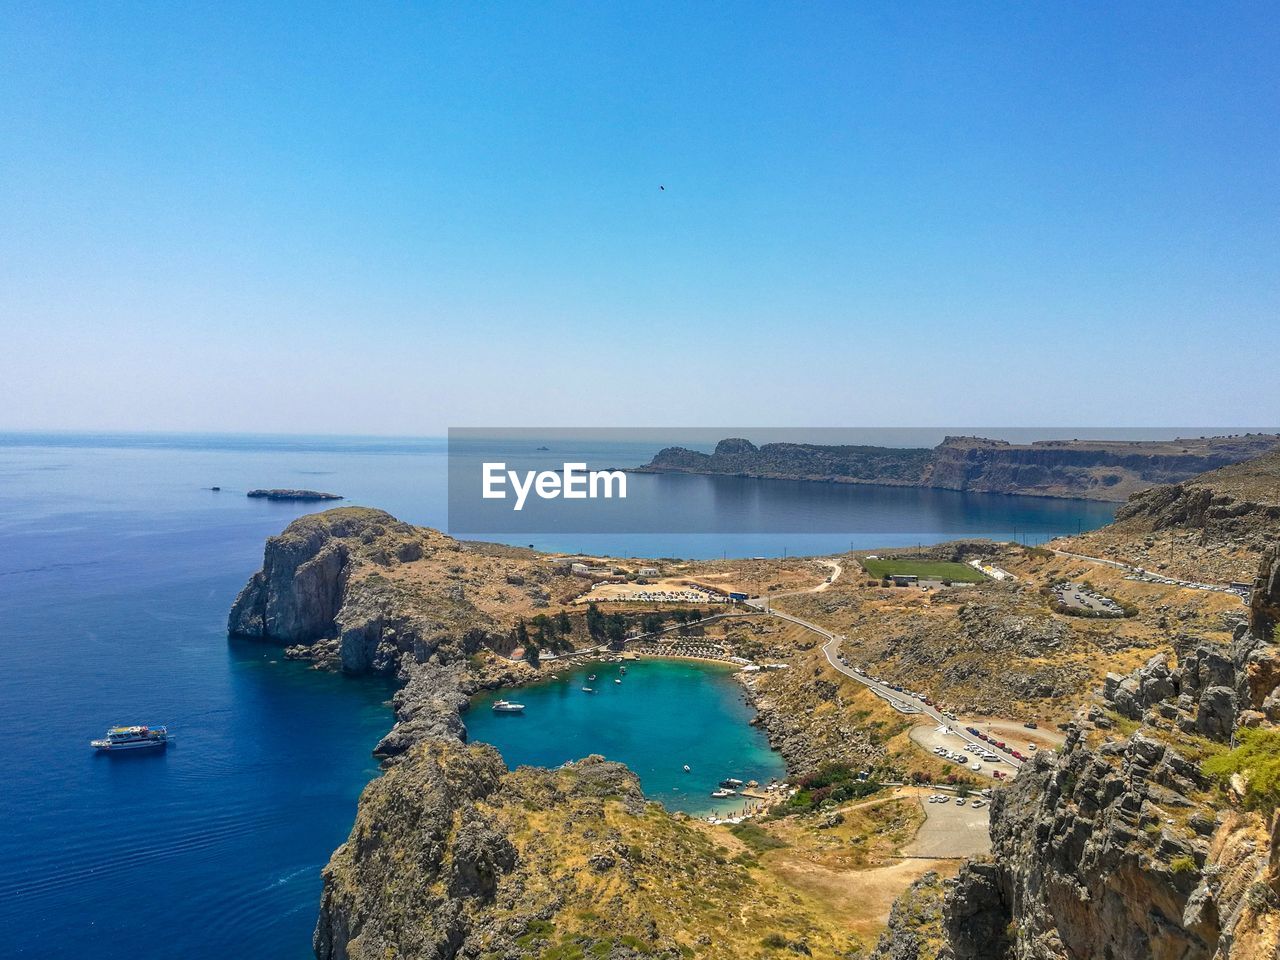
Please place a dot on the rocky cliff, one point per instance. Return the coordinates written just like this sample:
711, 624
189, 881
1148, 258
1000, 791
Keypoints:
1214, 526
1120, 846
797, 461
1099, 470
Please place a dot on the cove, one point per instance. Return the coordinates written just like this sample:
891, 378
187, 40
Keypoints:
663, 715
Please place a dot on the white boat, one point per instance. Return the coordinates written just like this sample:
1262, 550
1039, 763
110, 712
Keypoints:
587, 690
722, 792
616, 680
132, 738
506, 706
592, 677
686, 768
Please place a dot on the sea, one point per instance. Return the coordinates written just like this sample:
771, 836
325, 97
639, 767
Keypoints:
118, 563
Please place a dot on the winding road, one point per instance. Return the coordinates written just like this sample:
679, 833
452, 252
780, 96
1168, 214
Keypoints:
831, 650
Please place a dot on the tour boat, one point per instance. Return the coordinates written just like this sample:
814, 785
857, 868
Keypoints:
506, 706
132, 738
722, 792
731, 784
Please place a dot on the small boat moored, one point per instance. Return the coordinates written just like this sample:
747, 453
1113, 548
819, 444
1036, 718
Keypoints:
132, 738
587, 690
722, 792
506, 706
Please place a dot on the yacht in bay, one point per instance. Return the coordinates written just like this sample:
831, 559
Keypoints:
506, 706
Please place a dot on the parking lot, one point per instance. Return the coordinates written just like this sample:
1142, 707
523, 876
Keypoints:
951, 829
930, 737
1081, 598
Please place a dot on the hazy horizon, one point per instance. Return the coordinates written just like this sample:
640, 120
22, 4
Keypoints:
314, 218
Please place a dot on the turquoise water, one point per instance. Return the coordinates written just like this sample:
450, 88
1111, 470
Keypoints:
663, 715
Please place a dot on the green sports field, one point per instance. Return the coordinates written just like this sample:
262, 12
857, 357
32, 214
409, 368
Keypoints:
924, 569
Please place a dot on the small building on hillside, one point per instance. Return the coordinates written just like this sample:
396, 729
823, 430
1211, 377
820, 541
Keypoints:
648, 571
904, 579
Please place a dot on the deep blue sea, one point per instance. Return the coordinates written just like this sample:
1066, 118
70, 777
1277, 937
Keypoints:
117, 567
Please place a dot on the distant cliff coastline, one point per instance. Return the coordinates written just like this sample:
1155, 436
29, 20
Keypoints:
1109, 470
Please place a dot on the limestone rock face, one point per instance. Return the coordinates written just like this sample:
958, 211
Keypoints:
417, 829
1264, 603
733, 446
296, 596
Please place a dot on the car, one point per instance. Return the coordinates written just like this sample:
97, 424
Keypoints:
978, 803
1030, 725
961, 758
975, 767
973, 730
999, 743
983, 736
1032, 748
960, 801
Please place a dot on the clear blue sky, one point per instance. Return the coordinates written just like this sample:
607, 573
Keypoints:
393, 218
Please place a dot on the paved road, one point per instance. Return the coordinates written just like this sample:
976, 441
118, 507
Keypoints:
1149, 575
831, 650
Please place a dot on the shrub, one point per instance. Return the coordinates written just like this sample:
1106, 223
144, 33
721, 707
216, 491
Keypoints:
1183, 864
1257, 759
757, 838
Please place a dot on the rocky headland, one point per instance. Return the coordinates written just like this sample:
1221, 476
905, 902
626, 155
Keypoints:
1087, 469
